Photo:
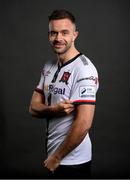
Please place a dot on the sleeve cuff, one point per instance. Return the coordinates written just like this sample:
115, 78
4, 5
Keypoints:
79, 102
39, 91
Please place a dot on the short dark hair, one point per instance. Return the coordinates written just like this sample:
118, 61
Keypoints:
62, 14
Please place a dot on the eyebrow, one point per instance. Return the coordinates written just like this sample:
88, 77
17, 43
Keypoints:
64, 30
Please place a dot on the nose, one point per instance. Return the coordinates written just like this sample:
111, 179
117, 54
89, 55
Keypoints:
58, 36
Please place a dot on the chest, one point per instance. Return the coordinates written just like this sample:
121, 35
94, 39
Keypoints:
58, 84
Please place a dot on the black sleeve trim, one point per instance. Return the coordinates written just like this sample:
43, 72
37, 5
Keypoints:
83, 101
39, 91
79, 103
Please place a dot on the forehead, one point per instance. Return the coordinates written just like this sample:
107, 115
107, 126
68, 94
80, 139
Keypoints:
61, 24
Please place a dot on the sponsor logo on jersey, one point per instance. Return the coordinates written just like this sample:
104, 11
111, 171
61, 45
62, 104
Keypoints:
87, 91
65, 77
56, 90
83, 90
91, 78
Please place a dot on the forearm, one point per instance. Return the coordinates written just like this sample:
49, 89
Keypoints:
41, 110
61, 109
75, 136
79, 129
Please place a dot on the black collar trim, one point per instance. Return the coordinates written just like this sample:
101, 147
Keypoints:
70, 61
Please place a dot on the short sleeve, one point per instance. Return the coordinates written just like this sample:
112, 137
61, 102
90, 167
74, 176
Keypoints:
39, 88
85, 86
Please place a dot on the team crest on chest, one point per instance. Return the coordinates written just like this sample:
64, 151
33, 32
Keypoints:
65, 77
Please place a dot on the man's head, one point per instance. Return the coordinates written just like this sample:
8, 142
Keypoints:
62, 30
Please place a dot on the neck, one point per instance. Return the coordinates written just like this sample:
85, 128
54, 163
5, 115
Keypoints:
63, 58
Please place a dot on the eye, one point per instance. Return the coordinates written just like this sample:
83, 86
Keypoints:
53, 33
65, 32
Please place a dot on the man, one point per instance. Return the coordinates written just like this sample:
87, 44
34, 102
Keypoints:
66, 96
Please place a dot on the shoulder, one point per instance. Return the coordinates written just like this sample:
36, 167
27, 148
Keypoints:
47, 67
85, 66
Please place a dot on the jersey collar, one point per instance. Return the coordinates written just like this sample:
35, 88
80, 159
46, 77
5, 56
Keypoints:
70, 61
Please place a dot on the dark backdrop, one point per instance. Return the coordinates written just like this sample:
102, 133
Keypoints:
104, 28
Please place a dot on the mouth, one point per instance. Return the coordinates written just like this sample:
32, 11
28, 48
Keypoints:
58, 44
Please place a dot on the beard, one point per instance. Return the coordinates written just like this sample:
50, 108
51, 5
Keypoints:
60, 47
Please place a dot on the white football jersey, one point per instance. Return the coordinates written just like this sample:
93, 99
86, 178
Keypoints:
76, 80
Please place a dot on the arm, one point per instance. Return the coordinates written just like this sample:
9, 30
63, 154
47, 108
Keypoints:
76, 134
39, 109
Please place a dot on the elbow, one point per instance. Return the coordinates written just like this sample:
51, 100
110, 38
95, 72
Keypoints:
86, 126
85, 131
31, 111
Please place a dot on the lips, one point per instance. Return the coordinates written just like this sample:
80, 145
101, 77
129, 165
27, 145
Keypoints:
58, 45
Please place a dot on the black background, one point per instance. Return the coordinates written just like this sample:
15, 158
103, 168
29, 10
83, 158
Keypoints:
24, 47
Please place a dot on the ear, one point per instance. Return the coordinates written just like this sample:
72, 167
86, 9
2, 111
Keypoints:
76, 33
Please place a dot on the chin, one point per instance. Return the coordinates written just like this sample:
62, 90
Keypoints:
59, 51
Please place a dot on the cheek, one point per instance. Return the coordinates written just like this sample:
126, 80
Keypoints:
71, 39
51, 39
